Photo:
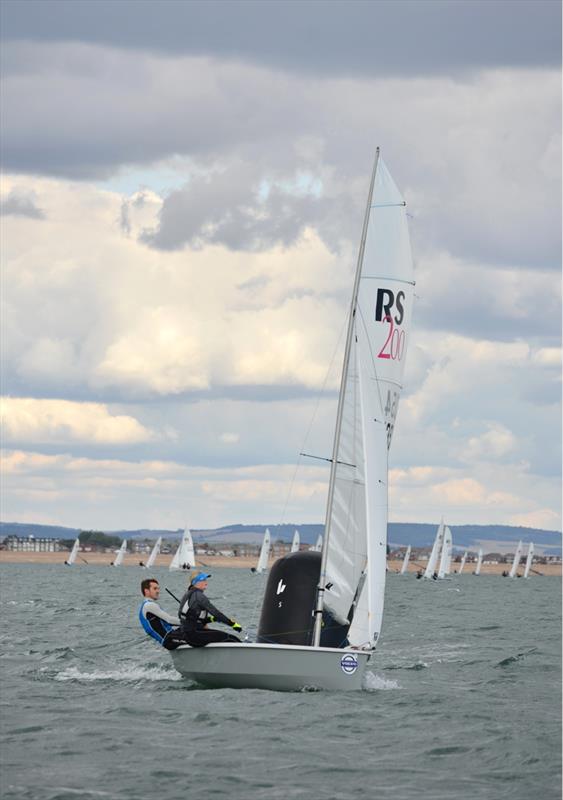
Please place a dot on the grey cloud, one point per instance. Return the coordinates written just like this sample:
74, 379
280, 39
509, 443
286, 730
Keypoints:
322, 37
229, 209
21, 204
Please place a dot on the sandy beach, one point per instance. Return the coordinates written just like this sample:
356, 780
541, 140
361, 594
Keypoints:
242, 562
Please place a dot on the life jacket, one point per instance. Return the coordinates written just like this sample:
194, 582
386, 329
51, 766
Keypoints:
195, 615
155, 626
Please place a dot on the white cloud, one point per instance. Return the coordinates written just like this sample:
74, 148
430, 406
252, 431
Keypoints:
61, 421
156, 494
208, 346
498, 441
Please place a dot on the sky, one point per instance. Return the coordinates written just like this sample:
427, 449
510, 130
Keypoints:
183, 189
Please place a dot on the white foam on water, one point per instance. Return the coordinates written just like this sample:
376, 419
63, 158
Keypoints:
124, 674
373, 683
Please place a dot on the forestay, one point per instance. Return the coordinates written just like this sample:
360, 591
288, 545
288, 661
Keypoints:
356, 522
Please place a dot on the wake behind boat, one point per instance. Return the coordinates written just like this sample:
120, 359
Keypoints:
322, 612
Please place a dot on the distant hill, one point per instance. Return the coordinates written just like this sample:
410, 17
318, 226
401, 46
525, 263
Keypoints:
500, 537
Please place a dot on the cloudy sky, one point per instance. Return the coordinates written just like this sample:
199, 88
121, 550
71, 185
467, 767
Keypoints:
182, 199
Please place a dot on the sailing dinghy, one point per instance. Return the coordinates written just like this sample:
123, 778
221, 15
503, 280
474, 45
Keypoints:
516, 562
120, 555
322, 612
154, 553
73, 553
318, 546
295, 542
430, 570
406, 560
463, 560
446, 555
264, 556
184, 557
479, 562
529, 558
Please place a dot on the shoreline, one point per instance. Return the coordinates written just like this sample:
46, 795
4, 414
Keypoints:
238, 562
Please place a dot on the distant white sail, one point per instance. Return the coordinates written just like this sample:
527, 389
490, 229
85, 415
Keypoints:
184, 557
516, 562
529, 559
118, 560
406, 560
264, 553
446, 557
463, 560
73, 553
154, 552
479, 561
436, 549
296, 542
318, 546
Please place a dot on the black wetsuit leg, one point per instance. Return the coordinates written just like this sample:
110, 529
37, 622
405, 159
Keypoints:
199, 638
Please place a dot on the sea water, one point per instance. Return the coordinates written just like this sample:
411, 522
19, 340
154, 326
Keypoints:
462, 700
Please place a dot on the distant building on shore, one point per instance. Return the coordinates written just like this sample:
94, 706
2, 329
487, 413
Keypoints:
32, 544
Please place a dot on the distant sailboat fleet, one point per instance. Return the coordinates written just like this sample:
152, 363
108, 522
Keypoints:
438, 566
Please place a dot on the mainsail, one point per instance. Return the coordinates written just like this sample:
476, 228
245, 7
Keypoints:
529, 558
406, 560
184, 557
154, 552
479, 561
295, 542
118, 560
446, 556
435, 552
73, 553
353, 566
318, 546
516, 562
264, 556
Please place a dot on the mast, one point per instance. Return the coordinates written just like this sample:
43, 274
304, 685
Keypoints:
348, 347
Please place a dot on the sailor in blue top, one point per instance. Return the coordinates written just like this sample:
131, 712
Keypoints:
156, 622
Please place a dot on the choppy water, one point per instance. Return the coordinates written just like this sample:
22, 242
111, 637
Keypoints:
463, 701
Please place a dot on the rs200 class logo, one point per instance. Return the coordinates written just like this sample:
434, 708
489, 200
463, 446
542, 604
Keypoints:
390, 310
349, 664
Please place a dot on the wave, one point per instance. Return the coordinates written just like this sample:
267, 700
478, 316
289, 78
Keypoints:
375, 683
130, 673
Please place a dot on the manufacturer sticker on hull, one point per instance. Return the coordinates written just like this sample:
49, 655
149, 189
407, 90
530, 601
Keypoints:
349, 664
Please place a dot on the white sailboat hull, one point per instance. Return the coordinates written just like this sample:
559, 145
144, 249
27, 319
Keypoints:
282, 668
